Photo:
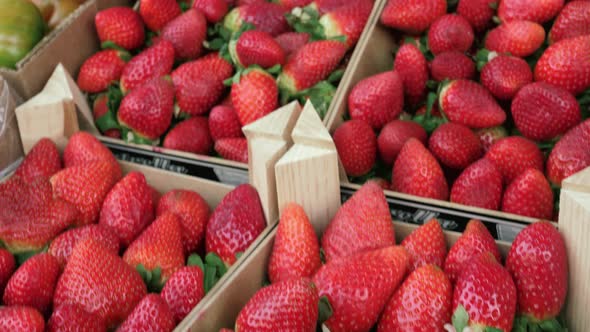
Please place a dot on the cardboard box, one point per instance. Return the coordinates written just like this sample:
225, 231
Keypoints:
10, 144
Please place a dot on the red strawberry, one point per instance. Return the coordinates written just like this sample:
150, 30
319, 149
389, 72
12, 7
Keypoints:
83, 149
426, 245
455, 145
33, 283
324, 6
73, 317
296, 252
224, 123
470, 104
190, 135
453, 66
157, 13
100, 282
377, 99
153, 62
513, 155
529, 194
235, 224
104, 118
362, 223
539, 11
411, 65
489, 136
571, 22
290, 305
537, 261
450, 32
152, 313
187, 33
348, 21
416, 172
290, 4
7, 266
393, 137
120, 25
566, 64
479, 185
291, 42
423, 302
357, 147
476, 239
505, 75
21, 319
485, 295
183, 291
235, 149
255, 95
267, 17
356, 305
478, 12
570, 155
42, 161
214, 10
256, 48
519, 38
61, 248
100, 70
412, 17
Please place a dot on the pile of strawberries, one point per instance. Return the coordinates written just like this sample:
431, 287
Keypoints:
367, 283
190, 75
485, 105
90, 249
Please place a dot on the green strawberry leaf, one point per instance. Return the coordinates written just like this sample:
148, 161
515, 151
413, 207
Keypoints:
492, 329
107, 122
551, 325
274, 70
184, 5
520, 324
320, 95
213, 260
115, 96
210, 278
195, 260
335, 76
460, 318
109, 45
215, 44
325, 310
22, 257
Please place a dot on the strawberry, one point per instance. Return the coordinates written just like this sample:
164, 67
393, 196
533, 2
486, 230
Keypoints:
146, 112
519, 38
357, 147
571, 22
267, 17
449, 33
362, 223
476, 239
393, 137
478, 12
21, 319
348, 21
537, 261
453, 66
100, 70
381, 182
529, 194
157, 13
33, 283
83, 149
489, 136
183, 291
42, 161
224, 123
235, 149
192, 212
187, 33
7, 267
416, 172
422, 302
411, 65
73, 317
154, 62
566, 64
455, 145
570, 155
296, 252
214, 10
485, 296
120, 25
426, 245
356, 305
513, 155
291, 42
324, 6
256, 48
191, 135
254, 96
539, 11
104, 118
235, 224
100, 282
377, 99
480, 185
290, 305
470, 104
412, 17
290, 4
152, 313
505, 75
61, 247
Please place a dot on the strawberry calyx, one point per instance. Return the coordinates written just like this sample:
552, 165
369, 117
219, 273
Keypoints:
130, 136
427, 120
152, 278
121, 52
325, 310
460, 322
525, 323
584, 101
233, 21
483, 56
320, 95
214, 269
218, 37
306, 20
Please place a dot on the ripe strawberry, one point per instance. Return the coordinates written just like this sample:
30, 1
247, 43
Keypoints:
267, 17
539, 11
235, 149
412, 17
479, 185
357, 305
255, 95
537, 261
214, 10
324, 6
100, 282
291, 42
426, 245
191, 135
120, 25
453, 66
83, 148
256, 48
187, 33
570, 155
411, 65
21, 319
235, 224
571, 22
290, 4
357, 147
104, 118
290, 305
153, 62
224, 123
476, 239
152, 313
478, 12
377, 99
313, 63
450, 32
61, 248
485, 295
470, 104
348, 21
393, 137
362, 223
423, 302
529, 194
101, 69
157, 13
455, 145
7, 266
416, 172
42, 161
73, 317
505, 75
519, 38
183, 291
489, 136
566, 64
513, 155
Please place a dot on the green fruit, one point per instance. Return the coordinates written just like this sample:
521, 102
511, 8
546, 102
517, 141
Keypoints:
21, 28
